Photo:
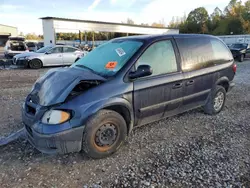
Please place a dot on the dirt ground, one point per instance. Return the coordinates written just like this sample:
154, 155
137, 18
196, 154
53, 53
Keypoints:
188, 150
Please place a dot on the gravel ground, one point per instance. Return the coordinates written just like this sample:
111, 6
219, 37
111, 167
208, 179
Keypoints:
188, 150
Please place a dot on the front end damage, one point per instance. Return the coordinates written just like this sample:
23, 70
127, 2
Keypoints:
52, 92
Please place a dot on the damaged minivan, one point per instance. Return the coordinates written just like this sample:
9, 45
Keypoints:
127, 82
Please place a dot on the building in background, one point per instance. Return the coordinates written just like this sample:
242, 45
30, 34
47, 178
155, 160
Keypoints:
52, 25
232, 39
5, 32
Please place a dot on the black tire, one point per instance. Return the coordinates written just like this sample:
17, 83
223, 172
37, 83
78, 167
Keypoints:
93, 141
210, 107
241, 58
35, 64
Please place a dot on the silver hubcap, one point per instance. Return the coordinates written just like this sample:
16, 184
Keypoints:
219, 100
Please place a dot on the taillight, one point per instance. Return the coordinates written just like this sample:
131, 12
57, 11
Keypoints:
234, 67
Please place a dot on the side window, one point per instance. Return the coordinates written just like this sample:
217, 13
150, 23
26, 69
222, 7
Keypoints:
196, 53
68, 49
56, 50
221, 53
161, 57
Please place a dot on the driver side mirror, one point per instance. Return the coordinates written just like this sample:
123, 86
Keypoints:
47, 53
142, 71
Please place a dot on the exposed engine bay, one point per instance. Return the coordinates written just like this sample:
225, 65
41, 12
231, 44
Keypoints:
82, 87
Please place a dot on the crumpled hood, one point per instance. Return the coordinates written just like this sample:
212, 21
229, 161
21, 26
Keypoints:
27, 54
55, 86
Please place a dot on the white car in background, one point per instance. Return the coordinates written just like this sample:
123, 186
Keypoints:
14, 46
49, 56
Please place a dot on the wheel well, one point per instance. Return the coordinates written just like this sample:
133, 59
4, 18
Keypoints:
224, 84
123, 111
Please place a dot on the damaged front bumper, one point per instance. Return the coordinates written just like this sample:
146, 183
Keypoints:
60, 143
60, 139
20, 62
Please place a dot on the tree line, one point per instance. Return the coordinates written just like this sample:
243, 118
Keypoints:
234, 19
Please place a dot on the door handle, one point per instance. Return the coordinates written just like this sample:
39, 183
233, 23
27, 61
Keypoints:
178, 85
190, 82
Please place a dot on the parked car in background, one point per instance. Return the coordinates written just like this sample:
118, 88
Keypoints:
32, 46
14, 46
40, 45
240, 51
49, 56
127, 82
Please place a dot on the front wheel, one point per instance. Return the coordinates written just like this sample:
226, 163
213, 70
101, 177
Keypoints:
35, 64
104, 134
216, 101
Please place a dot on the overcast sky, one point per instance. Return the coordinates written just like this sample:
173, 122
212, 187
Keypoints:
25, 14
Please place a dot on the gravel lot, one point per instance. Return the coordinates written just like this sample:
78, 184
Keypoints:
188, 150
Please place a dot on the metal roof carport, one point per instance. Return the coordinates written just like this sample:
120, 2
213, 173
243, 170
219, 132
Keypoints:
52, 24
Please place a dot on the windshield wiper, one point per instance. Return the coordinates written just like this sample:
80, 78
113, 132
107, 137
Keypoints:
85, 67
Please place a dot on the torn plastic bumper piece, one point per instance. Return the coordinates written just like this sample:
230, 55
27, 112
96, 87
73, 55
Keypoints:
12, 137
60, 143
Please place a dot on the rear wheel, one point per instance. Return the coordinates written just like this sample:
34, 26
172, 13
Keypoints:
216, 101
104, 134
35, 64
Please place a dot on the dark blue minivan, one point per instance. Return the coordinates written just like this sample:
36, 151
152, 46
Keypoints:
127, 82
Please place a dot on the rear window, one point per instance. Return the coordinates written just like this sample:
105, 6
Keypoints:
201, 52
31, 44
239, 46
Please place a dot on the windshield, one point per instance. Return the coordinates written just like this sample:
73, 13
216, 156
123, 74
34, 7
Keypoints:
107, 59
44, 49
239, 46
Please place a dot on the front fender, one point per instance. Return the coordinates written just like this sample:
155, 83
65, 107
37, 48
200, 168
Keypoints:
94, 108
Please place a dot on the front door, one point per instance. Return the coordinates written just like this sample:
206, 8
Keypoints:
160, 94
53, 57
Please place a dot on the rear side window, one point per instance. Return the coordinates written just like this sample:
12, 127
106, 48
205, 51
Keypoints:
68, 49
221, 52
161, 57
56, 50
196, 53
